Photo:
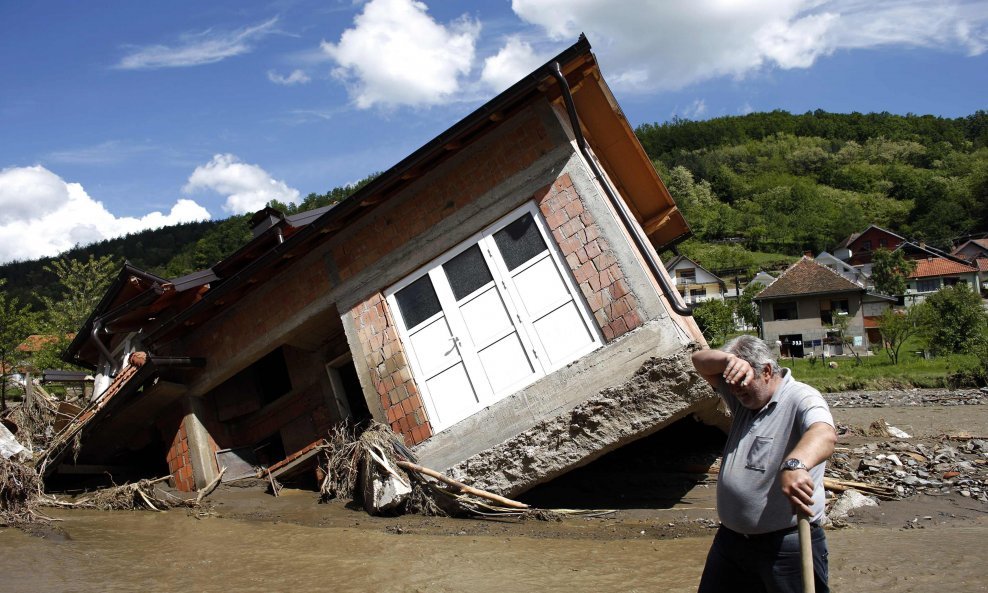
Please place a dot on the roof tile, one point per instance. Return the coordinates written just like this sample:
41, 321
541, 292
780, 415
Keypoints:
808, 277
938, 266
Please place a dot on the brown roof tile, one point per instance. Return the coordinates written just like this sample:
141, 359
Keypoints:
808, 277
938, 266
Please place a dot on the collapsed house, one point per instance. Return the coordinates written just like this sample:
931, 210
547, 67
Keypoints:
497, 294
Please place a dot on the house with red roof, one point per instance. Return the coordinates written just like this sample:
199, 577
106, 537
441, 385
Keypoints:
933, 273
799, 308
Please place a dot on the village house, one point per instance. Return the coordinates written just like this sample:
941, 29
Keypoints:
933, 273
975, 252
473, 296
858, 248
798, 311
694, 283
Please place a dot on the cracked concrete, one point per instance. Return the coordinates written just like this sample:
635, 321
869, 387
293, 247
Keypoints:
663, 390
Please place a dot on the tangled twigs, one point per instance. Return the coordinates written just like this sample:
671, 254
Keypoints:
340, 463
20, 488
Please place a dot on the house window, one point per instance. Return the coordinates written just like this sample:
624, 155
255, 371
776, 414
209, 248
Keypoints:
785, 310
830, 309
952, 281
698, 294
686, 276
866, 246
883, 243
489, 317
271, 376
928, 285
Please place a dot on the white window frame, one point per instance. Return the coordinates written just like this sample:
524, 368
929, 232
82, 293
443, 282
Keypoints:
525, 332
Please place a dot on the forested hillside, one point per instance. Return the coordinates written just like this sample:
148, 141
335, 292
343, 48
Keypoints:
149, 250
782, 183
755, 189
168, 252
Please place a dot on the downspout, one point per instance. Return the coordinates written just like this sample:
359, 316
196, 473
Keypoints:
630, 224
97, 328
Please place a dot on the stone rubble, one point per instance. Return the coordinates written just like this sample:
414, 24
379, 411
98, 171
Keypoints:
907, 397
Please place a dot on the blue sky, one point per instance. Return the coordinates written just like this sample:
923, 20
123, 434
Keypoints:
117, 116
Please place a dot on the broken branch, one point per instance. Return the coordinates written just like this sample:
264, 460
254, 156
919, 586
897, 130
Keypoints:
406, 465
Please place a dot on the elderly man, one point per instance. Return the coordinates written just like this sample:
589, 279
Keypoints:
781, 436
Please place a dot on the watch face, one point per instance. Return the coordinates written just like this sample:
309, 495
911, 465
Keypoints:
793, 464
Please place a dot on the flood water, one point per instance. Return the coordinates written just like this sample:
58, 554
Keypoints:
143, 551
172, 552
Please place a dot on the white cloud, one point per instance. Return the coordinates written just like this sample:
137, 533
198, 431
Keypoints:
195, 49
247, 188
396, 54
695, 110
674, 43
515, 60
42, 215
296, 77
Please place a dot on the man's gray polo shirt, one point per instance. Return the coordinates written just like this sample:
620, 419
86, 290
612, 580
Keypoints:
749, 494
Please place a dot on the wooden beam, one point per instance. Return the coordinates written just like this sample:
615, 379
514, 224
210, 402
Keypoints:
658, 221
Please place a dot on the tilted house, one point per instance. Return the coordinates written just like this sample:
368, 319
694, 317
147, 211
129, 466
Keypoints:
479, 293
799, 308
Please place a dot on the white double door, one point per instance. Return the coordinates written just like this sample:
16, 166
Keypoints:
491, 316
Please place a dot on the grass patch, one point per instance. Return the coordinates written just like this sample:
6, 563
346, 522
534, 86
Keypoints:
876, 372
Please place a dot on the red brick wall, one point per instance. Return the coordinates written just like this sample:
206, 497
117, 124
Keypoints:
590, 258
179, 460
389, 370
520, 145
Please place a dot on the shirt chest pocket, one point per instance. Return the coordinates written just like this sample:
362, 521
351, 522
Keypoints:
759, 454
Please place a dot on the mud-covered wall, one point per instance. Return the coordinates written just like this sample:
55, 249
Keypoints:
663, 390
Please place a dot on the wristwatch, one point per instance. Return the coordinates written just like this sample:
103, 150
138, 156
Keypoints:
792, 464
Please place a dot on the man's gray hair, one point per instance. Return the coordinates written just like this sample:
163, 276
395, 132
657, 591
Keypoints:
754, 351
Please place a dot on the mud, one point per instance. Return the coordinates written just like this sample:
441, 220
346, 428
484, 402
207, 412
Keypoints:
660, 487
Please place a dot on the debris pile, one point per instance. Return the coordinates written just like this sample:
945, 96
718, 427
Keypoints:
380, 470
898, 468
20, 488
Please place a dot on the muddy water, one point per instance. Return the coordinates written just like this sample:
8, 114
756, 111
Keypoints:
174, 552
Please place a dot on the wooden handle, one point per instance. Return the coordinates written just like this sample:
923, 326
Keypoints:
806, 554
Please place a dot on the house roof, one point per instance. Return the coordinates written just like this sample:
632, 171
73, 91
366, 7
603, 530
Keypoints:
672, 263
939, 266
36, 342
281, 239
808, 277
981, 243
982, 263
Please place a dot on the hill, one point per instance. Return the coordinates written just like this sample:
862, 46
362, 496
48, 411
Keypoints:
788, 183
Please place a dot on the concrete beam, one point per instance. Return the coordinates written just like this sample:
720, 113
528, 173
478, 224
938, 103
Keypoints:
203, 460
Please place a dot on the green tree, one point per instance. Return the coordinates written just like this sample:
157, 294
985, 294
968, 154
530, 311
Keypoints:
897, 326
16, 323
82, 285
889, 270
953, 319
746, 308
715, 319
839, 326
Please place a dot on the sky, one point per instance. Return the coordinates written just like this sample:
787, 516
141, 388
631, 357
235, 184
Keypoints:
118, 116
